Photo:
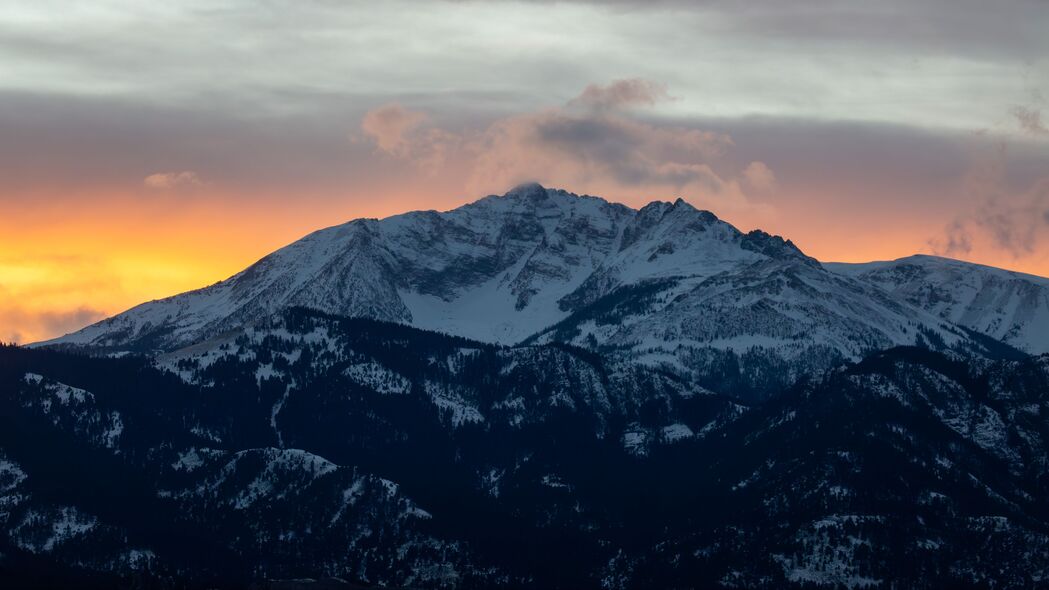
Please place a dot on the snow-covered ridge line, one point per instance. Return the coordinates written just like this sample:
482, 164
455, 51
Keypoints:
506, 268
1010, 306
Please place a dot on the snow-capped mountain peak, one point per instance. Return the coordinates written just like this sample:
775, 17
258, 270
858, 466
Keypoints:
668, 283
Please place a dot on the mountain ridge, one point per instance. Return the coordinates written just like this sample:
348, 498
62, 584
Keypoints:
1008, 305
505, 269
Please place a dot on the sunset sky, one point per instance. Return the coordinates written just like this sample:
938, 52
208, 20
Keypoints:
151, 148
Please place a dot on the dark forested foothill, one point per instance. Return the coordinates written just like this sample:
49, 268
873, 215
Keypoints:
311, 446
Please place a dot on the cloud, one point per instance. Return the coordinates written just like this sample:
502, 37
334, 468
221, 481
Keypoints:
601, 147
1030, 120
42, 294
759, 177
728, 58
172, 180
69, 320
404, 134
621, 94
596, 150
389, 126
24, 325
1010, 29
1012, 220
956, 240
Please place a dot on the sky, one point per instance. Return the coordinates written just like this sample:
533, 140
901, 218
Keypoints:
148, 148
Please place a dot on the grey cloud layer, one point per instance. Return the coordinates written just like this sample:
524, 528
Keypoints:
1007, 29
875, 61
847, 106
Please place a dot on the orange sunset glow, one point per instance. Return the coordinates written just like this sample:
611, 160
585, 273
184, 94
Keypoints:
63, 269
119, 188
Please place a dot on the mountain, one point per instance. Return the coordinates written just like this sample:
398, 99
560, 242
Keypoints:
539, 390
667, 285
1010, 306
311, 446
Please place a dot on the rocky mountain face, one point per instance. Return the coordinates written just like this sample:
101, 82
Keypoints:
314, 446
540, 390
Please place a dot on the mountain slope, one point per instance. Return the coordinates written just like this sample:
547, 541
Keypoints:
756, 328
1010, 306
491, 270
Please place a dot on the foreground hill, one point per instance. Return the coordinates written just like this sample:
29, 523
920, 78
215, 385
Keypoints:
313, 446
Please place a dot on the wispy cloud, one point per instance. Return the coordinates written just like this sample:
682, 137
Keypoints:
390, 126
173, 180
21, 321
759, 177
25, 325
1013, 220
1030, 120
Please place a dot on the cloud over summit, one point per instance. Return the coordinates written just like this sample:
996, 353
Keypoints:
592, 143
